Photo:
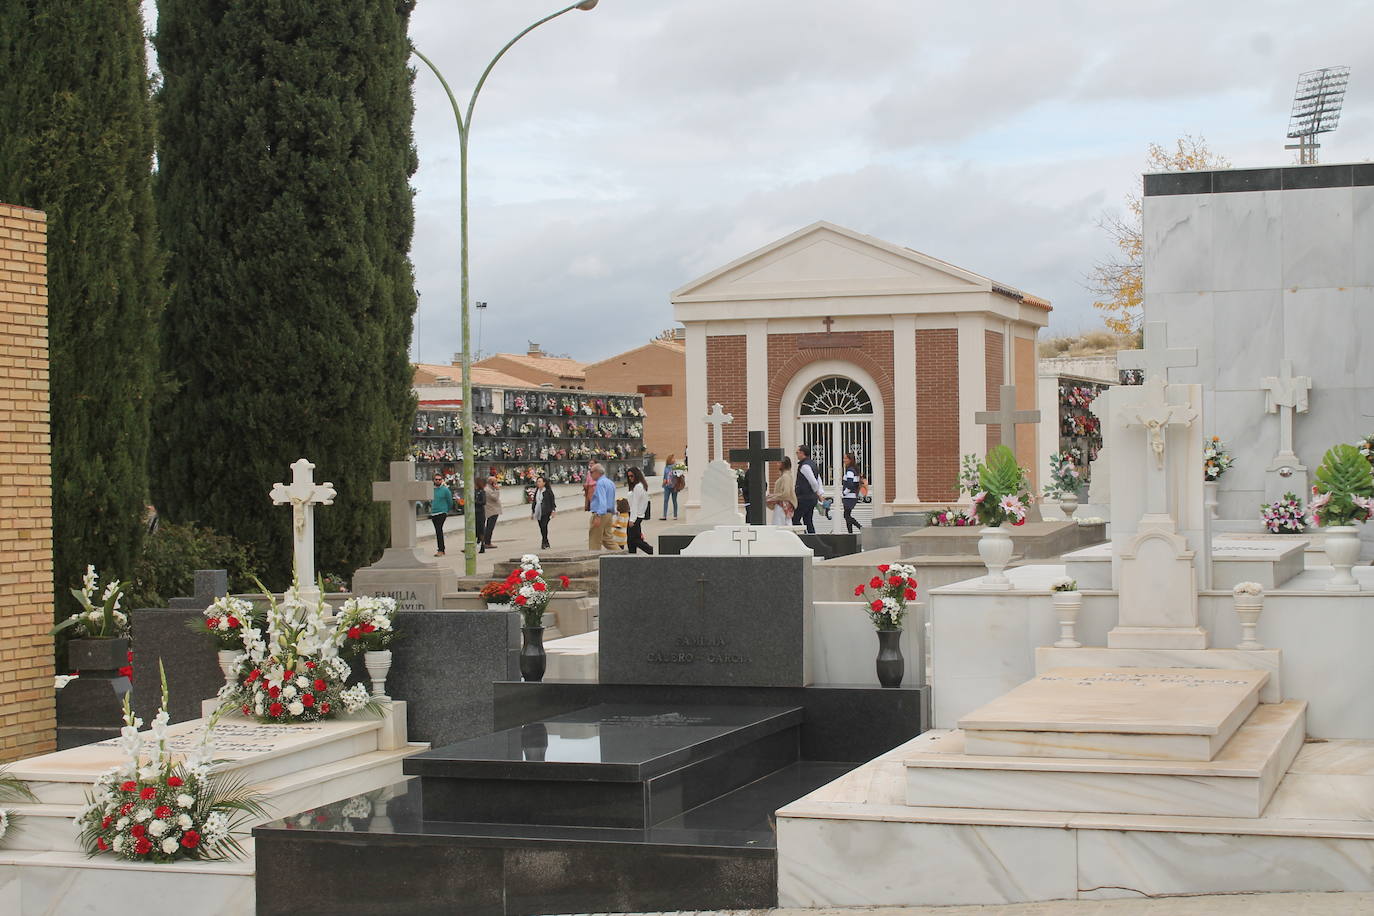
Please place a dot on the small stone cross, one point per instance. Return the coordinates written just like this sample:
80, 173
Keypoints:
1156, 415
757, 455
1006, 416
718, 418
1286, 393
303, 494
744, 537
1156, 359
403, 491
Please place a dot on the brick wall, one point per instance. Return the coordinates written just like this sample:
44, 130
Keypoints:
873, 355
665, 420
726, 385
993, 372
27, 704
937, 413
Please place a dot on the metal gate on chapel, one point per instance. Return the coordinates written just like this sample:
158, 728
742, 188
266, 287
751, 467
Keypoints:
837, 417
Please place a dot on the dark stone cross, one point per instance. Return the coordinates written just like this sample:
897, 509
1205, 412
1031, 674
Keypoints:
756, 479
209, 585
828, 322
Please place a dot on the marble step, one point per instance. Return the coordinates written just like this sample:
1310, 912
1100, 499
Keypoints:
1238, 782
1116, 713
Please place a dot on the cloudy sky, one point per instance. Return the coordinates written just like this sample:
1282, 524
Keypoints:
619, 153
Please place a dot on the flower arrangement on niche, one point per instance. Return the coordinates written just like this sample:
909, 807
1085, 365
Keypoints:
1216, 460
99, 617
1284, 516
886, 595
529, 592
1064, 477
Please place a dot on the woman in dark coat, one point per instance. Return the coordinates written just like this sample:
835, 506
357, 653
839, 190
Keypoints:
542, 507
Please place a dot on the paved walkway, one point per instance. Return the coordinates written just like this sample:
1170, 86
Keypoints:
1211, 905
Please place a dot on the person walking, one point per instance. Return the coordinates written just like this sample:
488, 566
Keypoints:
493, 500
542, 507
850, 485
601, 529
669, 487
808, 488
588, 486
439, 505
639, 510
782, 498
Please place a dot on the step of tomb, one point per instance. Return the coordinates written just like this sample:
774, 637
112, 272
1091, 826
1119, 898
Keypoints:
1116, 713
1238, 782
614, 765
1270, 660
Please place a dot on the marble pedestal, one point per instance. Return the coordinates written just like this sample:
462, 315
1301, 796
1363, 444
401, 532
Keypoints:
401, 574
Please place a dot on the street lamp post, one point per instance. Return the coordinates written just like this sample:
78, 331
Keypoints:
464, 122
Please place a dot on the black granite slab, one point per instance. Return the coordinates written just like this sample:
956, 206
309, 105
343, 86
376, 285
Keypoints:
1285, 178
827, 546
189, 658
89, 709
739, 621
850, 724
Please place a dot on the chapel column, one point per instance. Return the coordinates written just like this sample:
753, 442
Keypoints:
972, 384
904, 415
756, 376
696, 409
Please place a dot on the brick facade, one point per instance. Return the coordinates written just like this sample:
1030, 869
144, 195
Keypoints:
874, 356
937, 414
725, 385
660, 364
27, 702
993, 372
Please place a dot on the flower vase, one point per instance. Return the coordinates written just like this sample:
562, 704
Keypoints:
1067, 606
1248, 609
533, 660
891, 665
1343, 550
378, 664
995, 548
1068, 504
1209, 497
227, 666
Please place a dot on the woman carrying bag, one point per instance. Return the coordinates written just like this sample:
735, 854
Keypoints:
639, 510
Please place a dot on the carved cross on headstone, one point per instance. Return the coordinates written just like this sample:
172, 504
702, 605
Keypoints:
304, 495
403, 491
717, 418
1156, 415
1006, 416
1286, 393
1156, 359
744, 537
756, 479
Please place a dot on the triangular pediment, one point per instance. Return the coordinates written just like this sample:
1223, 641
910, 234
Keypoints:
828, 260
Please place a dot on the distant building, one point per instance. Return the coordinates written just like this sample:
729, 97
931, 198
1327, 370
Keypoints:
538, 368
658, 371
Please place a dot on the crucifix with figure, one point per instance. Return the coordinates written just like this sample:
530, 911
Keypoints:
403, 491
303, 494
1156, 415
757, 455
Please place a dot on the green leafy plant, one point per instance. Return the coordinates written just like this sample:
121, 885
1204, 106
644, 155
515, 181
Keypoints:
1002, 492
1344, 492
167, 565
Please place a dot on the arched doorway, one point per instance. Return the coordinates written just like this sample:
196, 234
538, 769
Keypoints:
835, 417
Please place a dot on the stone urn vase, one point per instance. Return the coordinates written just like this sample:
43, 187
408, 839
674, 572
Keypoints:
378, 665
533, 659
891, 665
1343, 550
227, 667
1209, 497
1067, 606
995, 548
1248, 609
1068, 504
98, 657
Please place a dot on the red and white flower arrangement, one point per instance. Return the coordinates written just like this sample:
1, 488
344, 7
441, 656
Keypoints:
293, 672
225, 620
886, 595
157, 807
367, 624
529, 590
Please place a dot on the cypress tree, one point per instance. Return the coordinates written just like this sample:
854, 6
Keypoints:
76, 140
285, 152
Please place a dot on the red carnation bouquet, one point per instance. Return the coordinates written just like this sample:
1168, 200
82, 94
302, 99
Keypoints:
886, 595
366, 625
225, 620
529, 592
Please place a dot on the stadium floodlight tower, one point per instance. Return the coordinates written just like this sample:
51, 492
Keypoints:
1316, 109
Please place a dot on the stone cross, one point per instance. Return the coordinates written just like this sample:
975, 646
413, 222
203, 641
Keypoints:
756, 479
1286, 394
717, 418
403, 491
744, 537
1156, 415
1006, 416
1156, 359
304, 495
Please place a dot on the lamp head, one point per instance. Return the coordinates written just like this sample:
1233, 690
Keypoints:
587, 5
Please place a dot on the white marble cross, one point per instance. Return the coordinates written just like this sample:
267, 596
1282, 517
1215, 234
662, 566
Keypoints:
1286, 393
1006, 416
403, 491
718, 418
1156, 415
1156, 358
744, 537
303, 494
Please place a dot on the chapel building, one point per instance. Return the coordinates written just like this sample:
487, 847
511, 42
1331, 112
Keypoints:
852, 344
